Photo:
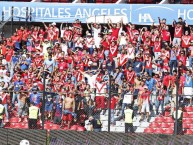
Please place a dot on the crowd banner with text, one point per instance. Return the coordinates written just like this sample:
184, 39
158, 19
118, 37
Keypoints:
140, 14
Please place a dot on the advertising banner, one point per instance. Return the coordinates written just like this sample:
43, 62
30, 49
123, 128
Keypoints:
140, 14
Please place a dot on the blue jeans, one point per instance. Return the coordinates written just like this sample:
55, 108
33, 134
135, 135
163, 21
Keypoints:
149, 71
97, 130
112, 116
158, 103
106, 53
6, 111
69, 112
190, 61
167, 97
173, 64
91, 50
15, 96
70, 44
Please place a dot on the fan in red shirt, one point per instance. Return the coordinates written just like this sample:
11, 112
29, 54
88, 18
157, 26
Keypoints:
115, 28
148, 64
5, 97
145, 96
157, 47
166, 36
130, 75
182, 58
186, 40
132, 32
113, 50
177, 33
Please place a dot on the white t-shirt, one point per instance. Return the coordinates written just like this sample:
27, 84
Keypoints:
91, 80
97, 41
61, 33
96, 32
100, 89
127, 98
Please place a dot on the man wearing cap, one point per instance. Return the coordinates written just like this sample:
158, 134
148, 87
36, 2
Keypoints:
145, 96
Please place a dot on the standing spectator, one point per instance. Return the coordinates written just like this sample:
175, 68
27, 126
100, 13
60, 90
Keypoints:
127, 98
5, 97
145, 96
35, 98
95, 124
188, 84
173, 59
2, 112
101, 90
49, 108
22, 106
178, 31
17, 87
69, 110
58, 112
49, 64
129, 115
33, 116
179, 121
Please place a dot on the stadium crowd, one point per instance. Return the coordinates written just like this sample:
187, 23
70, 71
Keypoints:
144, 64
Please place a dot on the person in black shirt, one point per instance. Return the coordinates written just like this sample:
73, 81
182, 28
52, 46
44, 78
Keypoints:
95, 124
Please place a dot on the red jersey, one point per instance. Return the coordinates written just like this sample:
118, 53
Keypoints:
146, 96
185, 41
166, 80
62, 66
113, 102
130, 76
182, 58
157, 46
67, 35
148, 63
9, 55
178, 32
113, 51
115, 32
122, 59
166, 35
5, 98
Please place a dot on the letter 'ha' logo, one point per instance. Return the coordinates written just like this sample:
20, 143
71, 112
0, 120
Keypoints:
145, 17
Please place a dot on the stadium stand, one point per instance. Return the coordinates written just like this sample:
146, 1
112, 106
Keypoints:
144, 64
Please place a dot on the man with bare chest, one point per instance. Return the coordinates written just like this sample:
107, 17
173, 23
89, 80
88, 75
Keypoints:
69, 107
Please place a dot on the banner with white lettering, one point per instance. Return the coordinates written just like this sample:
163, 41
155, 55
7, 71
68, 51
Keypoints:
140, 14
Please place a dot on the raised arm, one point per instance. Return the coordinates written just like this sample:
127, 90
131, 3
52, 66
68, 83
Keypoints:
88, 25
45, 25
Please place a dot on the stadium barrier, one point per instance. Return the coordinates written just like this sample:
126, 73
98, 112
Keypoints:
14, 136
92, 138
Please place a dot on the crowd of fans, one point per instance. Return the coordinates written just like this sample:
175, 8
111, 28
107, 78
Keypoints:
148, 65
